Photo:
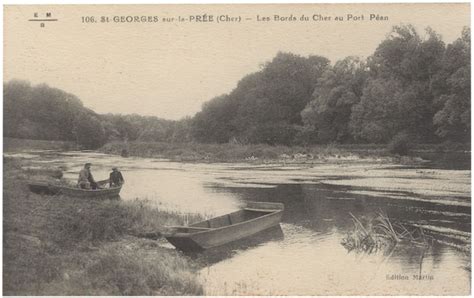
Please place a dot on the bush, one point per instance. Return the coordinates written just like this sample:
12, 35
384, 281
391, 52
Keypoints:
400, 144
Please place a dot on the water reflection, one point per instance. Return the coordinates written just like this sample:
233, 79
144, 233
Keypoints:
224, 252
310, 263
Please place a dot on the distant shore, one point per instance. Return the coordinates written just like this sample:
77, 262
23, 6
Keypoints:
283, 155
251, 153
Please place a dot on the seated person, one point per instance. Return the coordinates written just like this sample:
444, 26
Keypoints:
86, 180
116, 178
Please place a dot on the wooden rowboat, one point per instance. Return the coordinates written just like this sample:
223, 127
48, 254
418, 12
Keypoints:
254, 218
49, 188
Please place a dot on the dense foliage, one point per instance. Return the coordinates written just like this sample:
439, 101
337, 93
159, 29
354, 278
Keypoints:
265, 106
45, 113
412, 86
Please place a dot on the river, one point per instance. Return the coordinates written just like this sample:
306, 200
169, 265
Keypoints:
305, 255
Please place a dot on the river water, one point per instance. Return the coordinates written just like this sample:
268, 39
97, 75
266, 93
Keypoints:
305, 256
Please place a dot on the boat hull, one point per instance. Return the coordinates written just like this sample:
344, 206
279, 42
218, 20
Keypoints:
186, 240
89, 193
45, 188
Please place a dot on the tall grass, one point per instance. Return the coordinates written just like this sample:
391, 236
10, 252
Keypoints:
121, 270
111, 219
379, 233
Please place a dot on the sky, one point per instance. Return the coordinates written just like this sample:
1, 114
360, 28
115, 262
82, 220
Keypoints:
169, 69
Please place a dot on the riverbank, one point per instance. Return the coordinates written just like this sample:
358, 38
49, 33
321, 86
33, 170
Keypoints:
57, 245
13, 144
266, 154
255, 153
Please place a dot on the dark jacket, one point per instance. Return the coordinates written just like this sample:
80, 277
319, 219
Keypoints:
116, 179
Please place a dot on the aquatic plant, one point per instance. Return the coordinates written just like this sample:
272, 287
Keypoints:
379, 233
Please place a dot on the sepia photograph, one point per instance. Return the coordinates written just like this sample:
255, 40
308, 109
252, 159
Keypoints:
237, 149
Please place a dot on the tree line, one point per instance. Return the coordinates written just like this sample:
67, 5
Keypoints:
45, 113
413, 86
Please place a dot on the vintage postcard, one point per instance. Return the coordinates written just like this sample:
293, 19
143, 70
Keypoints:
224, 149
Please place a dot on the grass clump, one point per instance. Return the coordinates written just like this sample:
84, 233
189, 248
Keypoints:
379, 233
110, 219
121, 270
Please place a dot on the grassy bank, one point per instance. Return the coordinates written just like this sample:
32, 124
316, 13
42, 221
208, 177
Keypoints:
56, 245
248, 153
12, 144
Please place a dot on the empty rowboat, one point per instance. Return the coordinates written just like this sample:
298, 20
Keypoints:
254, 218
48, 188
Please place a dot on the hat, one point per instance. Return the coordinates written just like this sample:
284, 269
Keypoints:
87, 164
114, 168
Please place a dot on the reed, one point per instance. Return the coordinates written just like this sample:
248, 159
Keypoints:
380, 233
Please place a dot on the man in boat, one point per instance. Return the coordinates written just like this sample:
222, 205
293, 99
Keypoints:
116, 178
86, 180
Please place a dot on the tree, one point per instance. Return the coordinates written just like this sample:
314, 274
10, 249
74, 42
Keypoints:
88, 131
382, 112
453, 120
275, 95
43, 112
338, 89
182, 131
126, 131
16, 97
214, 122
399, 93
39, 112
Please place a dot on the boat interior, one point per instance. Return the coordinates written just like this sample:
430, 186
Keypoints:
224, 220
